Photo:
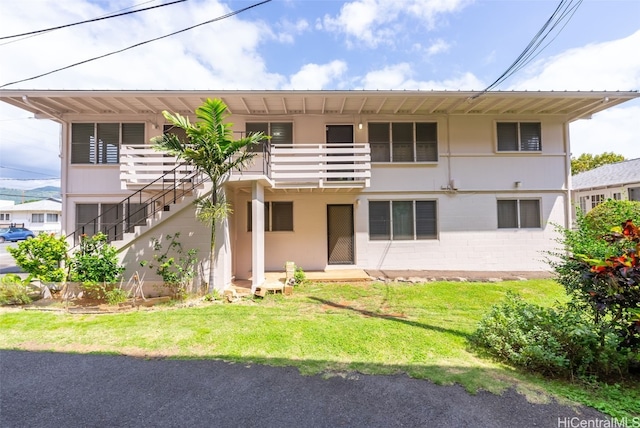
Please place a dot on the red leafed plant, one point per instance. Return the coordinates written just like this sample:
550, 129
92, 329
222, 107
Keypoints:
612, 286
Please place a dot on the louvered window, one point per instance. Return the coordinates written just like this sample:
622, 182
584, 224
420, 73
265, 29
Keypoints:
519, 136
403, 142
99, 143
402, 220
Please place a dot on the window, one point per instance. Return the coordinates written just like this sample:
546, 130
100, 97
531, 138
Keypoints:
518, 214
617, 196
281, 133
278, 216
99, 143
583, 203
52, 218
5, 217
403, 142
37, 218
110, 219
596, 200
402, 220
519, 136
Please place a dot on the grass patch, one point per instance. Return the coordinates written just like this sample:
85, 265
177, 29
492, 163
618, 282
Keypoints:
372, 328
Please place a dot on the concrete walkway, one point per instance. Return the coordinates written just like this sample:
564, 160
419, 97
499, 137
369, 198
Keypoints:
42, 389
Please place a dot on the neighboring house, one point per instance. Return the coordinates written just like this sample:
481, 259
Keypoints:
619, 180
39, 216
429, 180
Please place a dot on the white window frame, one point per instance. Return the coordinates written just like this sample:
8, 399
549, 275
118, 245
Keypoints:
519, 213
414, 218
98, 150
415, 143
518, 142
48, 216
597, 200
37, 217
260, 148
270, 216
5, 216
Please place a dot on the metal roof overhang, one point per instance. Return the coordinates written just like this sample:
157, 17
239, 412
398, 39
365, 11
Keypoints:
572, 105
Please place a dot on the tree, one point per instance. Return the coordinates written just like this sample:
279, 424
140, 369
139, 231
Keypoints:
211, 149
587, 161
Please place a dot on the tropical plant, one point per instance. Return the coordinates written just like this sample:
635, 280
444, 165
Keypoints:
44, 257
16, 290
611, 213
212, 150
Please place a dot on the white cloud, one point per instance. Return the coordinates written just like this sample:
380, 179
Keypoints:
317, 76
613, 65
437, 47
288, 30
378, 22
400, 76
615, 130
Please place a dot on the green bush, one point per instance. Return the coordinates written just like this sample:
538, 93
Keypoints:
610, 214
552, 341
96, 261
116, 295
14, 290
44, 257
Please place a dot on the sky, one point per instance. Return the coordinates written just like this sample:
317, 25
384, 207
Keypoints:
314, 44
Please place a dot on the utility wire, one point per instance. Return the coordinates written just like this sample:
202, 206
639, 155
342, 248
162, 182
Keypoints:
563, 10
90, 20
220, 18
24, 170
106, 14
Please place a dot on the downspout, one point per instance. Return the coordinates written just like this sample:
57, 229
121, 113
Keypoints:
567, 173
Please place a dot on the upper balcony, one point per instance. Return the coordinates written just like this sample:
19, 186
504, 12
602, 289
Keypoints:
345, 166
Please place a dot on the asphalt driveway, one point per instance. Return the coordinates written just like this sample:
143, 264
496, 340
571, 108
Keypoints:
43, 389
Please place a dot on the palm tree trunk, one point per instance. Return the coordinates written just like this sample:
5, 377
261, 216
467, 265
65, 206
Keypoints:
212, 253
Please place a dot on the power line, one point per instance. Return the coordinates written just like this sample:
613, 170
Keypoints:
566, 8
24, 170
220, 18
90, 20
106, 14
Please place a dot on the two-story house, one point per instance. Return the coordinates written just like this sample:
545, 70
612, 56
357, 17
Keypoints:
426, 180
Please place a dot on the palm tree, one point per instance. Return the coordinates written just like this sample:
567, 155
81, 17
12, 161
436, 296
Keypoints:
211, 149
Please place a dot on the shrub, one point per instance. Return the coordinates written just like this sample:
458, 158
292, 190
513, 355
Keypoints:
176, 267
299, 277
552, 341
14, 290
96, 261
116, 295
610, 214
44, 257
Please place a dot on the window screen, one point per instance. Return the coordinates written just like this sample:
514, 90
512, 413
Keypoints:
379, 220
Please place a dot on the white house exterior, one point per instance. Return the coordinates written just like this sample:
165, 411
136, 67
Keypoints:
428, 180
619, 180
43, 216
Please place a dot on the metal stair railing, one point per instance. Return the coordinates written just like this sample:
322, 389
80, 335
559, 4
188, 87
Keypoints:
113, 222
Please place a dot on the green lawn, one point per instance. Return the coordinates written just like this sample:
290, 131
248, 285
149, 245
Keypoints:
332, 329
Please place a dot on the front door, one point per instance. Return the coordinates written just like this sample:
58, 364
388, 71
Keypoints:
340, 234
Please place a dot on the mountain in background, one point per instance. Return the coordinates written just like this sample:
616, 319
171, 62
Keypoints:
21, 196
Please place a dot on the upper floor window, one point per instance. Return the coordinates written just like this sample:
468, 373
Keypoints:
280, 132
519, 137
99, 143
403, 142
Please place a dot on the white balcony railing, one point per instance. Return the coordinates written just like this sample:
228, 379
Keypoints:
287, 165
